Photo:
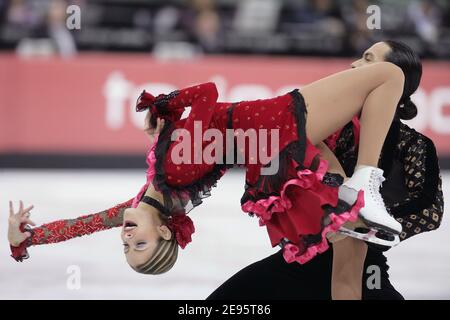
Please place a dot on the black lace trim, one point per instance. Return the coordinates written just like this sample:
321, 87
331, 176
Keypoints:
299, 111
333, 179
162, 100
267, 186
175, 196
346, 150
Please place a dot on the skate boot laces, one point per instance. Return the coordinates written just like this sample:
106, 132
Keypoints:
376, 180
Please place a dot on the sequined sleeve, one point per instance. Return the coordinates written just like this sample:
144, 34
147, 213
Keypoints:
423, 207
62, 230
202, 99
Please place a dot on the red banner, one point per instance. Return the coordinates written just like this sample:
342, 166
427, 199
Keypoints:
86, 104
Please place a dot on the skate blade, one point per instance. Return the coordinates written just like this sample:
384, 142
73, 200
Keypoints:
379, 227
372, 236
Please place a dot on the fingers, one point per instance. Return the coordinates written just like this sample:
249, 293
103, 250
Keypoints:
159, 125
27, 210
28, 234
27, 221
22, 212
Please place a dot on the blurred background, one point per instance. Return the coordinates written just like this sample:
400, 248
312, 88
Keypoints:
71, 143
286, 27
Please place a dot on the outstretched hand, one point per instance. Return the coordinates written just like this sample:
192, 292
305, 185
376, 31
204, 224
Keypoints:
15, 236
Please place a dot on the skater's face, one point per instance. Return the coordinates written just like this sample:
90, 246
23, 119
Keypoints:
141, 232
375, 53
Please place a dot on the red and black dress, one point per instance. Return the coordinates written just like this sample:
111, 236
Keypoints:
298, 204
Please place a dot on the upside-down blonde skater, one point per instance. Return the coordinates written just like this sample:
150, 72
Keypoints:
301, 203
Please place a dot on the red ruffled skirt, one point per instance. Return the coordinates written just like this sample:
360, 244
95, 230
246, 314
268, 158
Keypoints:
306, 209
299, 206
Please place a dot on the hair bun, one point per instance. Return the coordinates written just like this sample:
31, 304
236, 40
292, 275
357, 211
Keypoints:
407, 110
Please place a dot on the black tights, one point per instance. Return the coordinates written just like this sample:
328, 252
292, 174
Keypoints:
272, 278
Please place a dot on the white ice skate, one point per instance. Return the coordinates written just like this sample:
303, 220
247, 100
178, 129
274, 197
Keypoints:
377, 226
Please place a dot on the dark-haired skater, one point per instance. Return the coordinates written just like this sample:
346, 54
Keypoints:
412, 191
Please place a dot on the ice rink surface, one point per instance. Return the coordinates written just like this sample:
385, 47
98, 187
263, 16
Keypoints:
225, 241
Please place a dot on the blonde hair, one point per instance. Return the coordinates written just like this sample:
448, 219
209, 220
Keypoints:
166, 252
162, 259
